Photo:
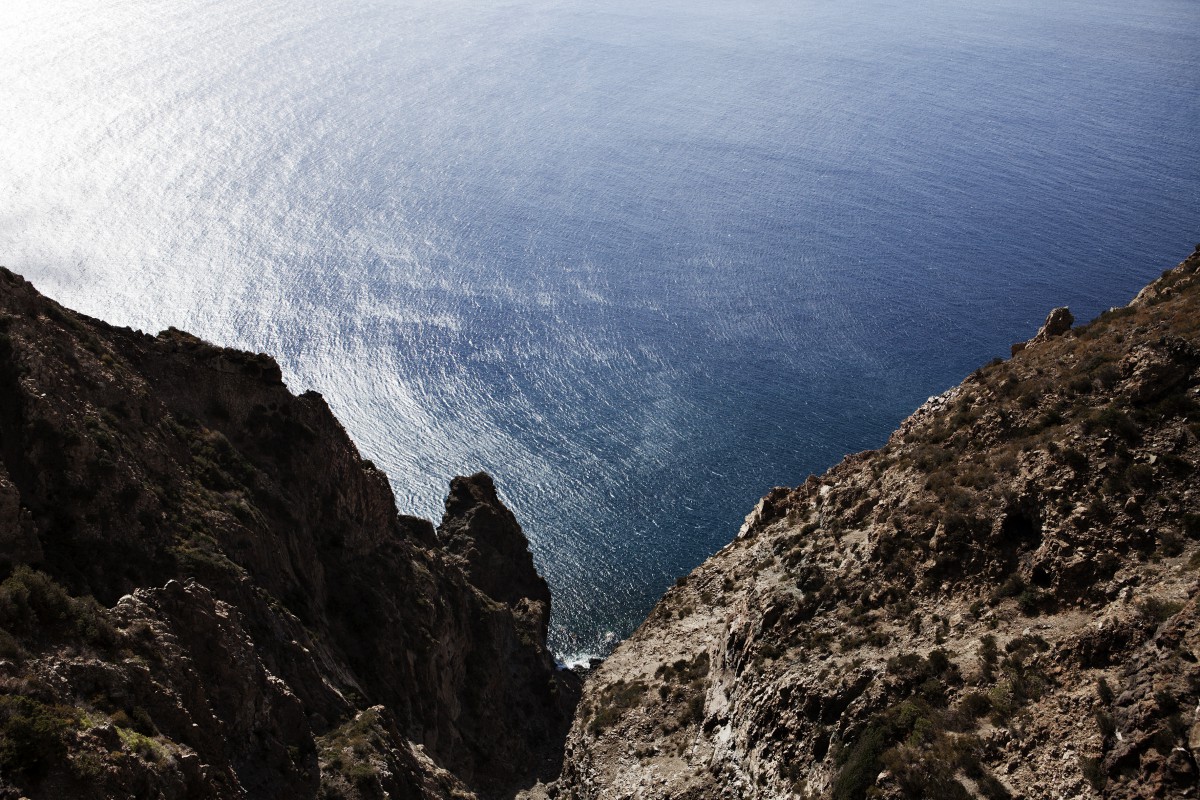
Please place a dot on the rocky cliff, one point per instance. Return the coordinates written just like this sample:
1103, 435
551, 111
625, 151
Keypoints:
1000, 602
208, 593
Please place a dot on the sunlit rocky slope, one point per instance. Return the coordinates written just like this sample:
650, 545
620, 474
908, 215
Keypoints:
208, 593
1000, 602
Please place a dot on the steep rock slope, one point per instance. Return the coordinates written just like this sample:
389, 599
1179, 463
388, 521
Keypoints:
1000, 602
208, 593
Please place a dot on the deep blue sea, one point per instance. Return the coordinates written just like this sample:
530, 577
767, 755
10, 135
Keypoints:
640, 259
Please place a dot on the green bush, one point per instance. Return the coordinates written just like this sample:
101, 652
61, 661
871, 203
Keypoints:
1111, 420
694, 711
32, 606
1074, 459
9, 647
613, 702
33, 735
1029, 601
988, 652
923, 772
1012, 587
1140, 476
683, 670
1157, 610
862, 764
975, 704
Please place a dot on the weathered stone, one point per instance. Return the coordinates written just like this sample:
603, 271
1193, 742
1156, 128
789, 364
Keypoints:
480, 530
259, 574
1155, 370
973, 526
1058, 322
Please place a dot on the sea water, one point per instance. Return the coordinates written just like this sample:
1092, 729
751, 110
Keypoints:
640, 259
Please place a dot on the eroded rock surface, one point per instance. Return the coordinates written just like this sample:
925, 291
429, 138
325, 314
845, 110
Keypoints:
1000, 602
494, 553
264, 622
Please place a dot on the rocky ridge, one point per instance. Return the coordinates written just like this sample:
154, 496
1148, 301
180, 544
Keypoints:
1000, 602
207, 592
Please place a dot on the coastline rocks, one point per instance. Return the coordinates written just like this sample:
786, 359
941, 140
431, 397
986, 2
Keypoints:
1058, 322
262, 587
491, 547
1000, 602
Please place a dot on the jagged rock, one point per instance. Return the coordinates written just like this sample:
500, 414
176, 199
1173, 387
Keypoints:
1024, 549
485, 535
1058, 322
1154, 370
771, 507
1001, 602
257, 567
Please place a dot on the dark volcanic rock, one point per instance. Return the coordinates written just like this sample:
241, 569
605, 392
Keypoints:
481, 530
283, 594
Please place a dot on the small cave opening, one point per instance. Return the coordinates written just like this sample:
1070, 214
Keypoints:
820, 745
1020, 527
1020, 531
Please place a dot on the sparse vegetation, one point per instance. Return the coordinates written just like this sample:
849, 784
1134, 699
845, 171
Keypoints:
1093, 772
614, 701
1157, 610
879, 618
33, 734
33, 606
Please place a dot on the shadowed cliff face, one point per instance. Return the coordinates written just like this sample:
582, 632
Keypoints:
1001, 602
264, 621
493, 551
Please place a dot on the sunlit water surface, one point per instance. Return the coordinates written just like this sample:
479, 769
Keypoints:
640, 260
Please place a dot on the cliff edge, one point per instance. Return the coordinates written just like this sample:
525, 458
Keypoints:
1001, 602
207, 592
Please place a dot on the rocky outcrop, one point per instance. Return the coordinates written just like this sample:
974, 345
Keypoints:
1001, 602
18, 542
237, 607
492, 548
1058, 322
